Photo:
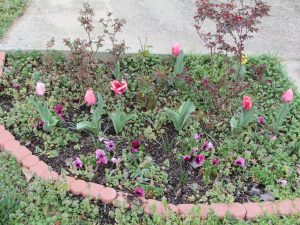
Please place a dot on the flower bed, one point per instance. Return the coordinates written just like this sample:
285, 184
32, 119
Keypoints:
193, 129
204, 161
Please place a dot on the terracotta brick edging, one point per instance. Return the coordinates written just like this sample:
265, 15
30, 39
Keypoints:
109, 195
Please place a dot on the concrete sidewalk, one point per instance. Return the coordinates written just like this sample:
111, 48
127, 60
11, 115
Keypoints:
162, 22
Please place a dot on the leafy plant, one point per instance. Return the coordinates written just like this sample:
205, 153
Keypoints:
117, 72
179, 64
139, 170
180, 117
244, 117
119, 119
95, 124
284, 111
82, 59
50, 119
235, 22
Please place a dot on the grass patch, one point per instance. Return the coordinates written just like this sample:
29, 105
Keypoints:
9, 11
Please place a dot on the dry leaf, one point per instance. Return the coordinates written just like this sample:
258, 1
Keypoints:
27, 173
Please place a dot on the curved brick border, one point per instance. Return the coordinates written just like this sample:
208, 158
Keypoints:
109, 195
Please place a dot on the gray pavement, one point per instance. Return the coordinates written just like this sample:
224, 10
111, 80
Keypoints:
162, 22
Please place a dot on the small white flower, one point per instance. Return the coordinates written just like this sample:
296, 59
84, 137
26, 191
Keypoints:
282, 182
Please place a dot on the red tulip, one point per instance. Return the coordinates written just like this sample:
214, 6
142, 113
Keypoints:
288, 96
247, 103
176, 48
118, 87
90, 97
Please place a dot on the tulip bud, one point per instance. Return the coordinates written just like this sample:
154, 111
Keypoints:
40, 88
90, 97
176, 48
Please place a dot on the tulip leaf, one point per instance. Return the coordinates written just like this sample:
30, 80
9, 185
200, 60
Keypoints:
93, 125
243, 118
179, 64
179, 118
117, 71
119, 120
234, 122
248, 117
87, 125
47, 117
98, 111
284, 111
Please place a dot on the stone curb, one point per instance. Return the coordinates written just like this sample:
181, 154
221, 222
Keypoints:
109, 195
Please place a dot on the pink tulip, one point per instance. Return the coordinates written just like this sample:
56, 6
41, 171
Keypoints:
176, 48
247, 103
118, 87
288, 96
90, 97
40, 88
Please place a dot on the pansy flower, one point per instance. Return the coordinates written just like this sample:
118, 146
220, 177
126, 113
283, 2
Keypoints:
260, 120
197, 137
207, 146
215, 162
77, 163
110, 145
240, 162
135, 145
40, 124
187, 158
198, 161
139, 192
101, 157
58, 109
116, 161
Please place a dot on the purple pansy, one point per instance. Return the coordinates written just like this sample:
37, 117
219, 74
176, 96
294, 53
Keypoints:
187, 158
208, 146
40, 124
135, 145
116, 160
58, 109
197, 136
261, 120
77, 163
101, 157
215, 162
139, 192
16, 86
240, 162
199, 160
110, 145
